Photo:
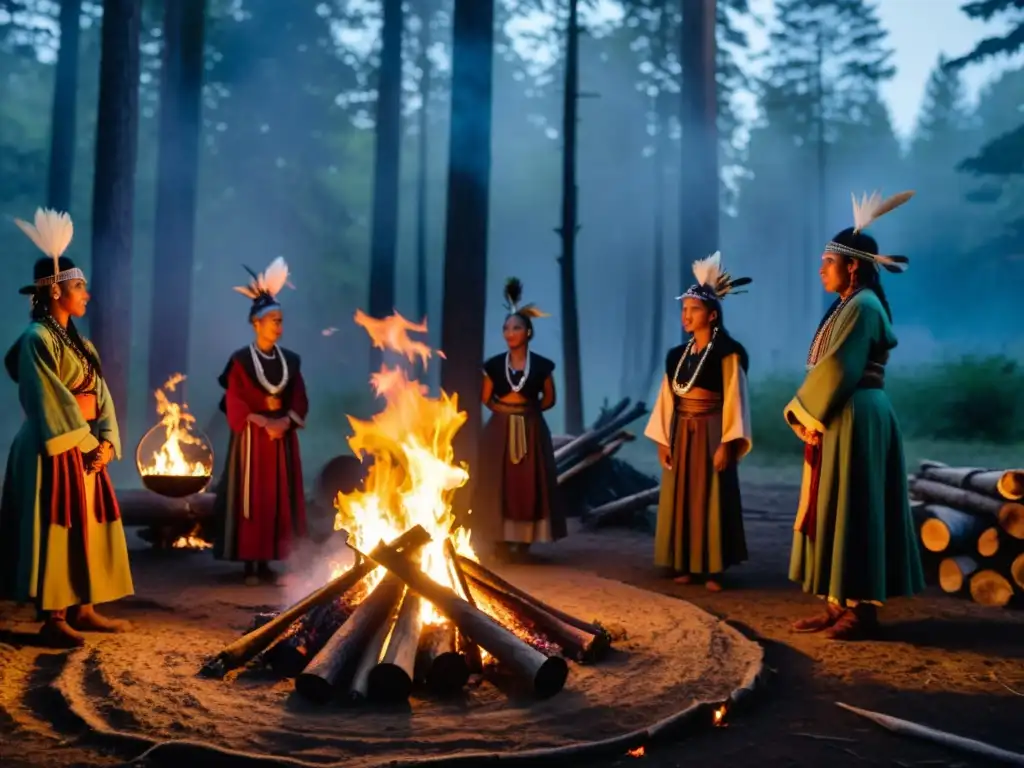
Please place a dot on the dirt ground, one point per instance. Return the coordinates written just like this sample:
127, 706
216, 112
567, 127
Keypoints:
942, 662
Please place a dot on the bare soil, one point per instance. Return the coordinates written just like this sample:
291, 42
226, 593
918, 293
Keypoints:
942, 662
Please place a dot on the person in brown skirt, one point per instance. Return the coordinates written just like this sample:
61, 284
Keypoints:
515, 502
701, 423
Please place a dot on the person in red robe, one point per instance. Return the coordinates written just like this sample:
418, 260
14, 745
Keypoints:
260, 503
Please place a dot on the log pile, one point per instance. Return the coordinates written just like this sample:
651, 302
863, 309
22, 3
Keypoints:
589, 474
366, 635
971, 530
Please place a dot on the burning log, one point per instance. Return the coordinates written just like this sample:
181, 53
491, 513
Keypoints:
304, 639
945, 528
442, 668
998, 483
359, 689
470, 648
577, 645
490, 578
338, 658
246, 648
546, 675
391, 680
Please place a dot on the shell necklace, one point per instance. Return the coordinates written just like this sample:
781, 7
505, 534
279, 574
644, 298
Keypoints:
508, 372
679, 389
261, 376
824, 335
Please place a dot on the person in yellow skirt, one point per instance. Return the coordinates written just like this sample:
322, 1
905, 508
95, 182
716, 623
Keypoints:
62, 543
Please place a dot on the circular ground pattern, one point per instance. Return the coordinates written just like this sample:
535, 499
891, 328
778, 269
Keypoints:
145, 683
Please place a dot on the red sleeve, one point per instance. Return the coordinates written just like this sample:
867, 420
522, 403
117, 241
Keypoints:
298, 405
242, 399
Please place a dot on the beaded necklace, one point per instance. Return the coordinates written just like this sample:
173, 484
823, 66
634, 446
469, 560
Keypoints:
89, 374
681, 390
509, 369
824, 334
261, 376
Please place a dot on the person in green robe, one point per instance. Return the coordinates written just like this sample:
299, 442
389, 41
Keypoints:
62, 543
701, 424
854, 542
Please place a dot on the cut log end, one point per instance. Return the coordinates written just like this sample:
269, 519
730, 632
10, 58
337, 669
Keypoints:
314, 688
935, 535
389, 684
1017, 570
988, 542
953, 573
991, 588
551, 677
1011, 484
448, 674
1011, 519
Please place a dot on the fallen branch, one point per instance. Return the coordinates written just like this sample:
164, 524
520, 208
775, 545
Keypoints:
633, 503
952, 741
608, 450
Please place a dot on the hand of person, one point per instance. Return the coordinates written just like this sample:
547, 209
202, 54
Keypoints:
90, 460
723, 457
276, 428
104, 454
665, 457
809, 436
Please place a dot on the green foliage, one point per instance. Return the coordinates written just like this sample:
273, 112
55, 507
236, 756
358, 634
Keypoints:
970, 400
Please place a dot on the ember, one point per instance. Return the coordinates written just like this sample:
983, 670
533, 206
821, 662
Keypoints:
421, 609
719, 716
173, 457
193, 540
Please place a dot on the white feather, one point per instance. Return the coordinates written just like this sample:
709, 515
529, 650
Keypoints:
865, 210
275, 276
52, 231
708, 270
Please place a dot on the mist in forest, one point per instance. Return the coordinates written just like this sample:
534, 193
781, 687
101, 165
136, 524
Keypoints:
286, 169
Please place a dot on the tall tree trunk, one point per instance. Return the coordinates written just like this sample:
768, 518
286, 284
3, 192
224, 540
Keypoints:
387, 153
117, 120
699, 185
466, 220
816, 296
573, 396
181, 84
657, 354
422, 165
63, 114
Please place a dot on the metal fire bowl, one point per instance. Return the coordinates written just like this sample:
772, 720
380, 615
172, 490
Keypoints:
176, 486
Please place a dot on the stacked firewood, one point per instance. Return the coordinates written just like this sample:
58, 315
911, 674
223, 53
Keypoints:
971, 527
355, 639
599, 487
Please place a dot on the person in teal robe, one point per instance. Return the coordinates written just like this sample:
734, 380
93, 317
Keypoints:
854, 542
62, 543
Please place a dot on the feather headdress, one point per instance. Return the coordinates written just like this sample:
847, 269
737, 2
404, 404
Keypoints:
514, 297
264, 287
866, 211
713, 282
51, 232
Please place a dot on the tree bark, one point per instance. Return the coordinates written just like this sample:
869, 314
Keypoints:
957, 498
359, 689
544, 675
245, 648
444, 669
950, 529
64, 113
603, 514
573, 393
337, 660
391, 680
387, 154
181, 85
465, 264
699, 182
997, 483
117, 121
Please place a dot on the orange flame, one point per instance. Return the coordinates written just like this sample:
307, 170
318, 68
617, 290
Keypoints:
719, 716
177, 422
638, 752
413, 476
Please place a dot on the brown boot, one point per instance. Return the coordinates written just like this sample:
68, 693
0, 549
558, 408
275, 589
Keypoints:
88, 619
57, 633
821, 621
858, 623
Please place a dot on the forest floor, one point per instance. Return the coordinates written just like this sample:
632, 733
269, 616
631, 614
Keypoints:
943, 662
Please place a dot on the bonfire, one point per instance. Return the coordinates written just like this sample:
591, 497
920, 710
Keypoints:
422, 608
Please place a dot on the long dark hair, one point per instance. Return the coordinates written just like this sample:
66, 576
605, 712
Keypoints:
868, 274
